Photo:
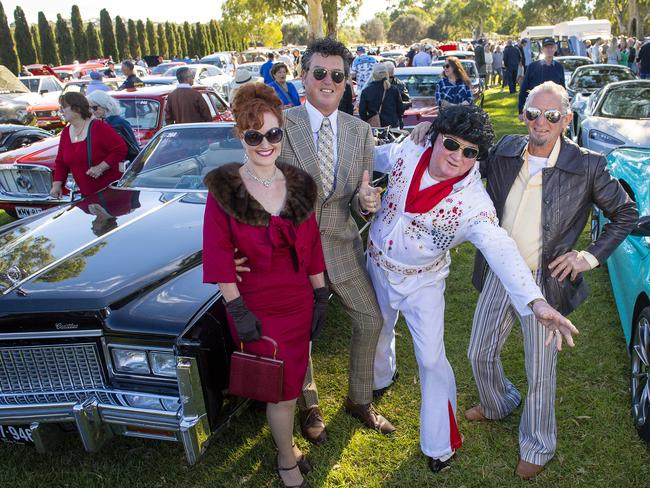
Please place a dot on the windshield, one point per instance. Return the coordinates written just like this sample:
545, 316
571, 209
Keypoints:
141, 113
570, 64
74, 87
31, 84
160, 69
592, 78
627, 102
172, 71
180, 158
420, 85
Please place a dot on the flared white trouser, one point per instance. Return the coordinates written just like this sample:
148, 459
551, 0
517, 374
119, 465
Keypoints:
420, 299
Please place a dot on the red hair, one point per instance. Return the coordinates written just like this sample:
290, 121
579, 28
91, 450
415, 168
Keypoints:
251, 101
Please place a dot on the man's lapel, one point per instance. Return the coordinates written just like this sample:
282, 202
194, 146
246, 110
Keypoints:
346, 149
301, 140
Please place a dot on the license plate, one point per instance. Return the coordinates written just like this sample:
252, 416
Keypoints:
15, 434
23, 212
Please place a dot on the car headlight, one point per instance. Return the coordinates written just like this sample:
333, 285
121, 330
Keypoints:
130, 361
163, 363
599, 136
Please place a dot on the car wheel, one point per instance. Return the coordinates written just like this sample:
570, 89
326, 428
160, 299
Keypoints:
595, 223
639, 374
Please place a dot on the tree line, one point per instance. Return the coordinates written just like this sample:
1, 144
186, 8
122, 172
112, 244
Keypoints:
64, 41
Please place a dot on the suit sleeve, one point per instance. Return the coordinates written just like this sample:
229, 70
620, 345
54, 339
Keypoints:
218, 247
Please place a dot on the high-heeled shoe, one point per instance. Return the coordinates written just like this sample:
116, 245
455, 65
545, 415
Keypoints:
303, 463
304, 483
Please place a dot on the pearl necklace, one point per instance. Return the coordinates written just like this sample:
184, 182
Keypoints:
264, 181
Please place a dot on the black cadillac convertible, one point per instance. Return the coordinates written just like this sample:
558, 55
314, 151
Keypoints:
105, 325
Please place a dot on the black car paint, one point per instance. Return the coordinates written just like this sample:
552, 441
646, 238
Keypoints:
15, 136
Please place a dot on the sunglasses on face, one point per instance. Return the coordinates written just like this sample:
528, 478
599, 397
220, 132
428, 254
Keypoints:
254, 138
94, 107
451, 144
446, 66
552, 115
337, 75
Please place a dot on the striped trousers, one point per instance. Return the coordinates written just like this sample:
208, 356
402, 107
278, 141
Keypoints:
493, 321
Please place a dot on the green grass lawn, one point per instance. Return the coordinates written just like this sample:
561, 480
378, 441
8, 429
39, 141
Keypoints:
597, 445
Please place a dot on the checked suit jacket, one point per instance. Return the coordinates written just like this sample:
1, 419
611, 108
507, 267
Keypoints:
342, 244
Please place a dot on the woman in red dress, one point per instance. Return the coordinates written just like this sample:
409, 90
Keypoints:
265, 211
108, 149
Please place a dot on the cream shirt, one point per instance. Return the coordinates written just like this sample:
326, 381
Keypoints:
522, 214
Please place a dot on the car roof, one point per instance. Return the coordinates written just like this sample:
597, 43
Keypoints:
36, 77
153, 91
618, 84
603, 66
572, 57
419, 70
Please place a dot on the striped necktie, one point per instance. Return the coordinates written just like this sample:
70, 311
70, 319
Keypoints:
326, 156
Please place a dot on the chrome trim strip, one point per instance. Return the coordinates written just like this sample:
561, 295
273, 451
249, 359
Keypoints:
13, 336
87, 245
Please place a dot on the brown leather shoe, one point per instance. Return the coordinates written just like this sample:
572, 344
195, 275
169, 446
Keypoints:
369, 416
312, 426
527, 471
475, 414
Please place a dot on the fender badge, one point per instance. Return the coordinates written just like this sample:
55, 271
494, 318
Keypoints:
62, 326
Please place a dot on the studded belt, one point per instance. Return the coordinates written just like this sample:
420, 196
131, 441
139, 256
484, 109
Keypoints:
389, 264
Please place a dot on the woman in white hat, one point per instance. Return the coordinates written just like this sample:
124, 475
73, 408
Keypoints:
242, 76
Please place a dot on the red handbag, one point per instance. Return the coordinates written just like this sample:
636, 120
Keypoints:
256, 377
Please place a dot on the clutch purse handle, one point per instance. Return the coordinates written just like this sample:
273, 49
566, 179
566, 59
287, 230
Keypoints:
266, 338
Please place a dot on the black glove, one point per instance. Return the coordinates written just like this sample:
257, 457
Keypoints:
321, 295
247, 325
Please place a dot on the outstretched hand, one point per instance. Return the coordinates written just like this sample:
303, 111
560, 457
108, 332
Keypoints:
557, 324
419, 133
369, 196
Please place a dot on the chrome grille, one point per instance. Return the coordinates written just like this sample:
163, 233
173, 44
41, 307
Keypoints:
26, 181
47, 114
48, 374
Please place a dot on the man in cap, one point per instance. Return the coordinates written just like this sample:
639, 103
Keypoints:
96, 83
361, 69
546, 69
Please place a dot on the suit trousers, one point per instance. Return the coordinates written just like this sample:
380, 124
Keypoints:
420, 299
357, 298
493, 321
511, 77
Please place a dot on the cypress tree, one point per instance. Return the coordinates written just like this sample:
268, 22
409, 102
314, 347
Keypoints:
92, 39
8, 54
142, 38
199, 40
78, 35
107, 34
134, 45
23, 37
37, 43
163, 47
121, 38
64, 40
214, 35
49, 51
151, 38
209, 45
171, 40
182, 42
189, 39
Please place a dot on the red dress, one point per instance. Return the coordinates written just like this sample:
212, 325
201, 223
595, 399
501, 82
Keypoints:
282, 255
106, 146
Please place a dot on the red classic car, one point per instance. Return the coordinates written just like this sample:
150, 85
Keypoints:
26, 173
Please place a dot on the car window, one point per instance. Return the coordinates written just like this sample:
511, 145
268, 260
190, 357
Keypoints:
180, 158
50, 85
172, 71
420, 85
216, 101
214, 71
570, 64
141, 113
626, 102
470, 68
590, 78
31, 84
213, 113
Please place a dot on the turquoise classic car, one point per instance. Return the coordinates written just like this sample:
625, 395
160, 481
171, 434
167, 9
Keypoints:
629, 272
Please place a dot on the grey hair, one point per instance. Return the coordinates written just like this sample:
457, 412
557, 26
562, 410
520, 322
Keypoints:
555, 89
107, 102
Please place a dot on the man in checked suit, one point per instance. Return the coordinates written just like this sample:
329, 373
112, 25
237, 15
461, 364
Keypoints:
336, 149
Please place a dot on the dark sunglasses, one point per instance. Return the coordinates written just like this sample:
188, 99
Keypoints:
451, 144
94, 107
446, 66
254, 138
337, 75
552, 115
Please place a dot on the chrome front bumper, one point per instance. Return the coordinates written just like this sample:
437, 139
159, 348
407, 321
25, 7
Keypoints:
105, 413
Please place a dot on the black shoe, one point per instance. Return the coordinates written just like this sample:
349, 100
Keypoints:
378, 393
437, 465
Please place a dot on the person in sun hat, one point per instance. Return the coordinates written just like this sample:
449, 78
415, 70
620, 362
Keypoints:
242, 76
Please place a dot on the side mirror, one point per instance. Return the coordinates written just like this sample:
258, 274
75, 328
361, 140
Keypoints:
642, 228
43, 92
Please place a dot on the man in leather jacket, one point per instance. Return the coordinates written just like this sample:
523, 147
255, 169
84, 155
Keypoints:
543, 187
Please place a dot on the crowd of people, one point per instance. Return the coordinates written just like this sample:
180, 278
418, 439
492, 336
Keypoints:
280, 237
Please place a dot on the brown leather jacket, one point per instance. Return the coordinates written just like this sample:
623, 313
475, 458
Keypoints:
578, 181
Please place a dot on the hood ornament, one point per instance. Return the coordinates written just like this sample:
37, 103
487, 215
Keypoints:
14, 275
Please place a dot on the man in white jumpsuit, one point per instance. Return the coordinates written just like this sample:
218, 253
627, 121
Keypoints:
434, 201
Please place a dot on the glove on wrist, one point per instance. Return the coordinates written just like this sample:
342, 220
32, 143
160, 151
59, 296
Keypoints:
247, 325
321, 296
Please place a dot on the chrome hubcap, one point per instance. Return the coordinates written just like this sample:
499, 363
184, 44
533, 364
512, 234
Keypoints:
641, 373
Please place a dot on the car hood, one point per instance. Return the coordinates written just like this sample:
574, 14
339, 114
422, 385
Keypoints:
42, 152
140, 261
632, 132
13, 100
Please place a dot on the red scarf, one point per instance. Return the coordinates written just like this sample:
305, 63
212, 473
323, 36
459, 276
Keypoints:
422, 201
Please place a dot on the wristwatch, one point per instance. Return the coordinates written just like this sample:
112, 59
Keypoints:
532, 304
